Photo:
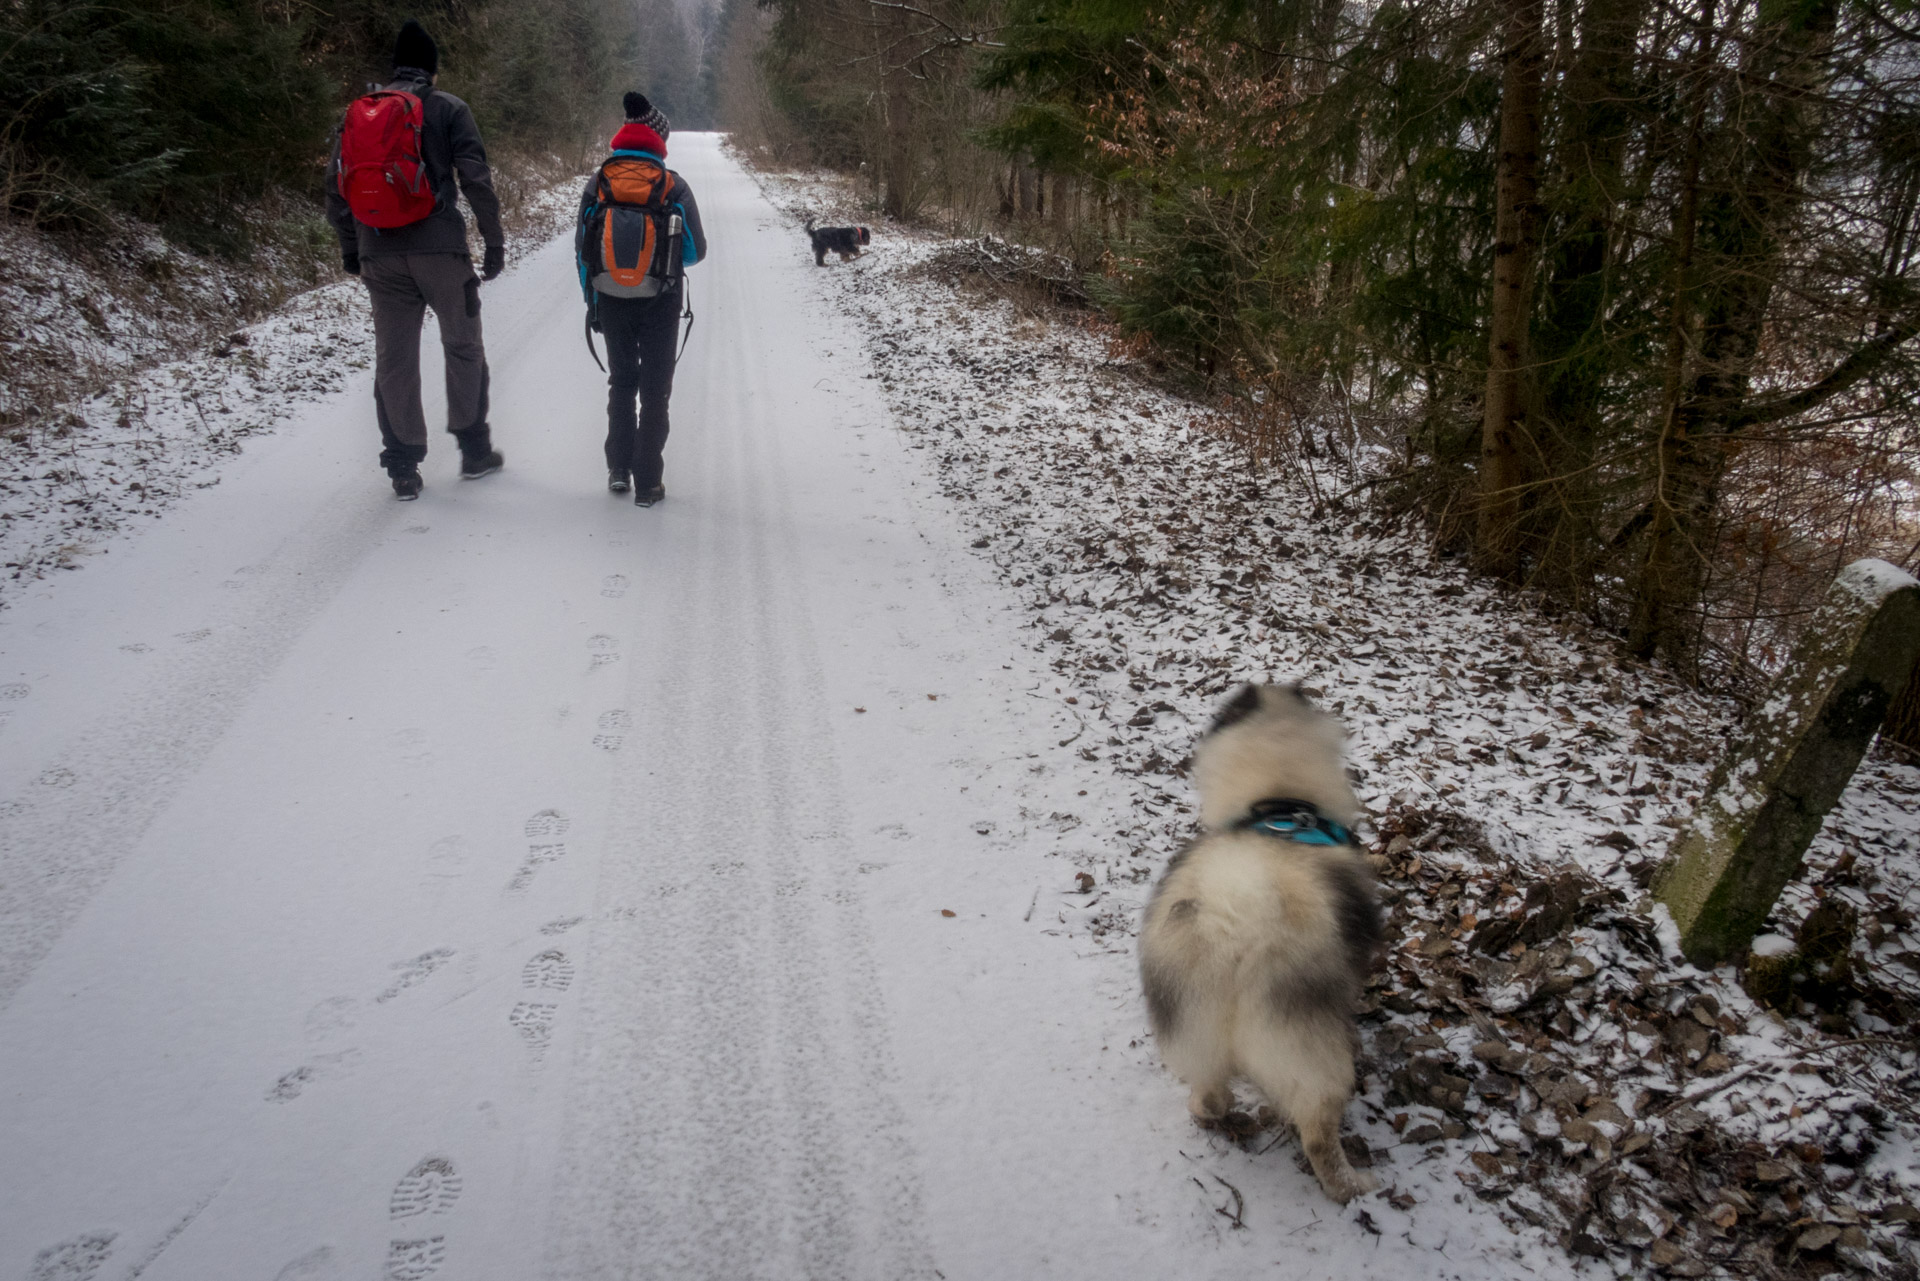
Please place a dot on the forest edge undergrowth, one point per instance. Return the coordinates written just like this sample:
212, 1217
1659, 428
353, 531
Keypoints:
1534, 1039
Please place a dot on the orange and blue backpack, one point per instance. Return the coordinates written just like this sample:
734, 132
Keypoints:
630, 243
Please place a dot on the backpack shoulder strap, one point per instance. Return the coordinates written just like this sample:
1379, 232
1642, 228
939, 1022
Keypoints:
663, 192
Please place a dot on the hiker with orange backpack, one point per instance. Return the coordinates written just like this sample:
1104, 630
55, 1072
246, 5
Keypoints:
639, 230
392, 199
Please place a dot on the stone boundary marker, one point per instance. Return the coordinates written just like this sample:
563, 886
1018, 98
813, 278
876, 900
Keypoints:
1791, 761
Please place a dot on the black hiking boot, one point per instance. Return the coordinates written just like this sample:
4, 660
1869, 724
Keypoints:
648, 497
406, 485
474, 466
618, 482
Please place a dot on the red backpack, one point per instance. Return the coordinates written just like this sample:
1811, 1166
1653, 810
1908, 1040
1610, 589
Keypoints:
381, 173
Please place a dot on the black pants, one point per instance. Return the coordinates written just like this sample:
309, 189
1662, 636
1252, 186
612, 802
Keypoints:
640, 335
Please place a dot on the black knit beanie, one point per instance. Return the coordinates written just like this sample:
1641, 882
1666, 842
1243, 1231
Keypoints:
640, 111
415, 48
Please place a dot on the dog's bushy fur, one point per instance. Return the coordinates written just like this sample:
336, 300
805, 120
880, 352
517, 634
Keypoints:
1255, 949
845, 241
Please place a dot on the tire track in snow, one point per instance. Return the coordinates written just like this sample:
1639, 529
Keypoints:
732, 1116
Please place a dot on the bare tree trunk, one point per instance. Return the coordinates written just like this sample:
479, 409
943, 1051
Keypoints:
897, 158
1743, 227
1505, 451
895, 200
1675, 456
1595, 125
1325, 29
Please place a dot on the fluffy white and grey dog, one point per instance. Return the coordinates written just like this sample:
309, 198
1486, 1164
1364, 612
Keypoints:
1258, 940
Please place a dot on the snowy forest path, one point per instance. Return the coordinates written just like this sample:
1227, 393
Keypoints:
485, 854
518, 884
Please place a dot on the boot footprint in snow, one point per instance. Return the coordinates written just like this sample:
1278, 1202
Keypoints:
429, 1188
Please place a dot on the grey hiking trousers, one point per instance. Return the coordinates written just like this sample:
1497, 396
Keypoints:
402, 286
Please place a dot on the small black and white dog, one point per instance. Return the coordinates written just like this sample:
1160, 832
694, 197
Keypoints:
845, 241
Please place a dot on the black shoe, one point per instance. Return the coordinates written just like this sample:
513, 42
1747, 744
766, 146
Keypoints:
406, 485
648, 497
618, 482
474, 466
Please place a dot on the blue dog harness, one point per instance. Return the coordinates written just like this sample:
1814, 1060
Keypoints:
1293, 820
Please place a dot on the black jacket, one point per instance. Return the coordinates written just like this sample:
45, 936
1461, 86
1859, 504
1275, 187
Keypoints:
449, 146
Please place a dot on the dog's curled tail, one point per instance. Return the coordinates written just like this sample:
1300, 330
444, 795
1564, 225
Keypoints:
810, 221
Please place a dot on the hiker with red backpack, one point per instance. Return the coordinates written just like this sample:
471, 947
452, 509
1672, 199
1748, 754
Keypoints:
639, 230
392, 199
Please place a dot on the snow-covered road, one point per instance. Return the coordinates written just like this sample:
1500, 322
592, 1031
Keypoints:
519, 884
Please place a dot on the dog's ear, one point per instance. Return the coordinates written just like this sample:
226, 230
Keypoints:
866, 237
1244, 703
1299, 690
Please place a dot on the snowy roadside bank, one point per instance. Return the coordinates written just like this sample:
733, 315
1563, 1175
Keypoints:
1533, 1043
101, 464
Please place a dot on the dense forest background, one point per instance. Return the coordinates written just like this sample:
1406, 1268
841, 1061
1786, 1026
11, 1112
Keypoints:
177, 111
1619, 296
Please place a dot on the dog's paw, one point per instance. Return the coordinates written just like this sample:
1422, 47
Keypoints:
1237, 1127
1354, 1183
1209, 1107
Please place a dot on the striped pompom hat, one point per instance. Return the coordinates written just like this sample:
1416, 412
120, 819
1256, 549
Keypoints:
640, 111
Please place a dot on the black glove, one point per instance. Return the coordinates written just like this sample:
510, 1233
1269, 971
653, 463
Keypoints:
350, 262
494, 263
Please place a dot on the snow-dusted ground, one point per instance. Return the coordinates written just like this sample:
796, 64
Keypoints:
518, 884
150, 411
134, 300
1532, 1041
